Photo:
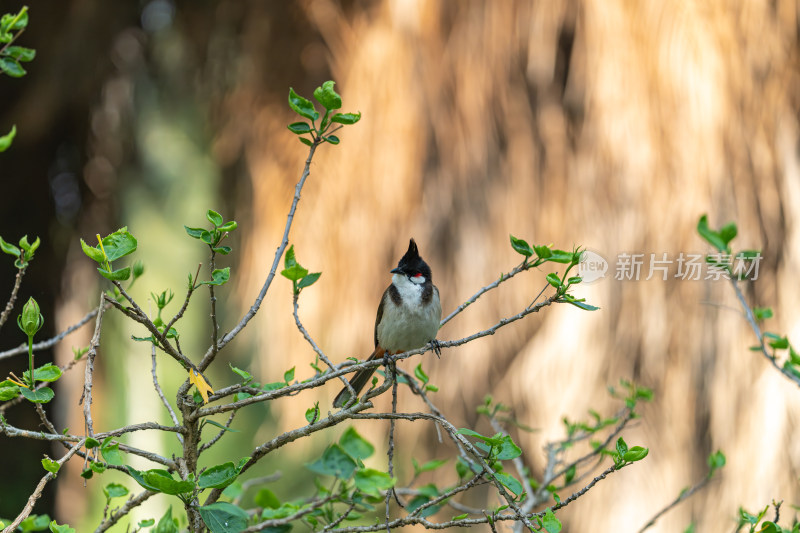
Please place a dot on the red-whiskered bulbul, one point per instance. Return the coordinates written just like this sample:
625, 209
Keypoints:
408, 316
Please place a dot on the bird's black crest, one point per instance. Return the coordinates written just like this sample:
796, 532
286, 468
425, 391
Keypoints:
411, 263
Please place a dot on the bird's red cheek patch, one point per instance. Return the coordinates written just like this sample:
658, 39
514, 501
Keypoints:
418, 275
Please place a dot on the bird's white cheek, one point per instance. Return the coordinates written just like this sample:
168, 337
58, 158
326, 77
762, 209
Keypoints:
417, 280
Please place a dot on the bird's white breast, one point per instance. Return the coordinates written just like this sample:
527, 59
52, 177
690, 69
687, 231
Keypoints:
412, 324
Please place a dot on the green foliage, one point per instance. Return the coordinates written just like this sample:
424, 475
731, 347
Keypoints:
298, 275
23, 253
213, 237
330, 101
12, 56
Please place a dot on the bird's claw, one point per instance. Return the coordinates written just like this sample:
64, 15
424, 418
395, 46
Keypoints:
436, 347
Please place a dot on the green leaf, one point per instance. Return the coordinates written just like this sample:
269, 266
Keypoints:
214, 217
716, 461
509, 482
163, 481
111, 453
301, 106
116, 275
508, 450
371, 481
15, 22
299, 128
762, 313
43, 395
114, 490
93, 253
64, 528
223, 517
550, 523
8, 390
229, 226
542, 252
728, 232
780, 344
305, 141
309, 280
219, 276
583, 305
521, 247
553, 279
146, 523
224, 250
355, 445
48, 372
7, 139
712, 237
420, 374
11, 67
220, 426
334, 462
288, 375
326, 96
97, 468
637, 453
9, 248
245, 375
167, 524
265, 498
35, 523
218, 477
622, 447
333, 139
429, 466
312, 413
20, 53
196, 233
346, 118
91, 443
119, 244
50, 465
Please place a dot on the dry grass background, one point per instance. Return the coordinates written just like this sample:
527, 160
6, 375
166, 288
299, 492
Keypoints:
613, 125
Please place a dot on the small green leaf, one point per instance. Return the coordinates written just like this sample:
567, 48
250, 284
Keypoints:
521, 247
20, 53
97, 468
430, 465
111, 453
163, 481
637, 453
266, 499
229, 226
167, 524
371, 481
64, 528
245, 375
553, 279
334, 462
355, 445
346, 118
716, 461
420, 374
11, 67
333, 139
299, 128
509, 482
43, 395
218, 477
48, 372
8, 390
219, 276
550, 523
220, 426
288, 375
116, 275
326, 96
7, 139
114, 490
762, 313
196, 233
305, 141
301, 106
712, 237
119, 244
50, 465
508, 449
223, 517
214, 217
308, 280
312, 413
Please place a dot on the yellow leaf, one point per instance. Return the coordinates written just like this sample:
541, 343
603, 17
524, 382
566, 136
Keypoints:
202, 385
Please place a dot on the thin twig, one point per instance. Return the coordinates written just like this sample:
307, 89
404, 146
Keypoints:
133, 501
166, 403
86, 397
23, 348
13, 298
684, 495
276, 261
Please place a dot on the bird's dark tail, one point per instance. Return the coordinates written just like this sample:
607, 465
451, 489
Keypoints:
359, 380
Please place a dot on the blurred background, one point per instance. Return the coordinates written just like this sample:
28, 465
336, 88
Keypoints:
612, 125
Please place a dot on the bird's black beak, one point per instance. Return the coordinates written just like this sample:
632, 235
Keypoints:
396, 271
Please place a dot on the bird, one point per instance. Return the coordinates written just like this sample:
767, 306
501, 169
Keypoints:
408, 316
